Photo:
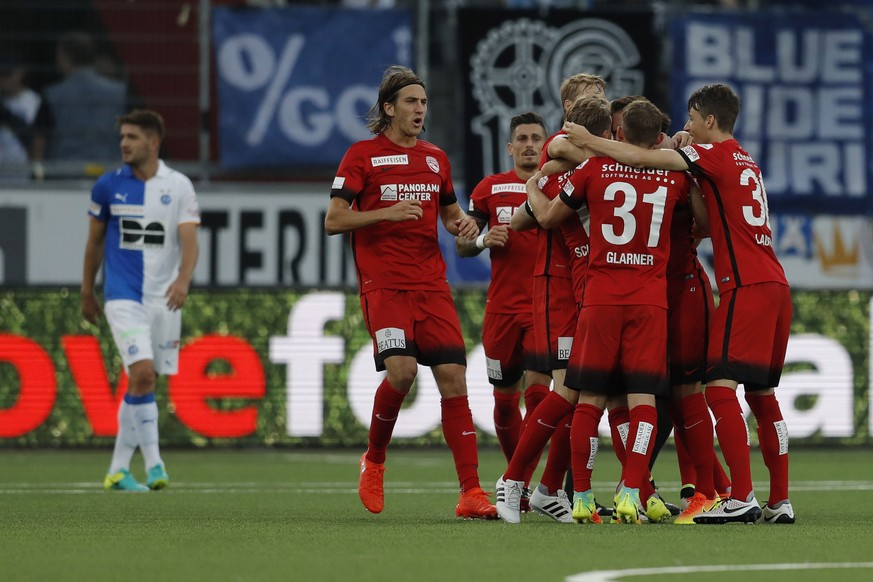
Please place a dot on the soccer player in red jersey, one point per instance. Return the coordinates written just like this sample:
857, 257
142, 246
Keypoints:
555, 311
689, 311
389, 192
620, 344
750, 330
507, 331
690, 307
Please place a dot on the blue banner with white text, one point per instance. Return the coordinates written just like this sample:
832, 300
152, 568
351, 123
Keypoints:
294, 84
805, 82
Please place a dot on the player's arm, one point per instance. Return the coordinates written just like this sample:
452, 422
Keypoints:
458, 222
523, 219
93, 260
550, 213
561, 148
665, 159
471, 248
341, 217
177, 292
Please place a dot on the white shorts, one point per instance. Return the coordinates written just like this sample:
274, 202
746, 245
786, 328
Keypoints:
146, 331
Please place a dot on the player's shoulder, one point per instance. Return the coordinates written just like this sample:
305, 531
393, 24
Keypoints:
112, 177
368, 152
695, 151
426, 146
428, 149
365, 145
173, 176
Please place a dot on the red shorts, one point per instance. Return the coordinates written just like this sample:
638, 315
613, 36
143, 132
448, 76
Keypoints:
421, 324
620, 349
508, 340
749, 335
555, 314
690, 306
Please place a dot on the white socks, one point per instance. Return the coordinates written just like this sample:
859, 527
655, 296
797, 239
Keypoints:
137, 426
126, 440
146, 416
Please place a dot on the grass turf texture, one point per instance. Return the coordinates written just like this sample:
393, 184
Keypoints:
295, 515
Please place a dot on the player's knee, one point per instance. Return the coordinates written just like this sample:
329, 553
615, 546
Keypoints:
454, 385
141, 379
402, 377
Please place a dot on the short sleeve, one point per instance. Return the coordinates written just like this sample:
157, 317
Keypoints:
349, 179
701, 159
573, 192
447, 195
479, 201
189, 209
100, 193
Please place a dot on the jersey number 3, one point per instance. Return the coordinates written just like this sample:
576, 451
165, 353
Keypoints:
759, 195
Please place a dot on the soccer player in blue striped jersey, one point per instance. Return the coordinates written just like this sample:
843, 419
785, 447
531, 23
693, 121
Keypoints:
143, 231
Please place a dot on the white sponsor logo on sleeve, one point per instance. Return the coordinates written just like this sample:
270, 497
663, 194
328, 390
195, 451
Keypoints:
691, 153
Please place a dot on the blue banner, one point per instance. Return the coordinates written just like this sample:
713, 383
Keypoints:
805, 82
295, 83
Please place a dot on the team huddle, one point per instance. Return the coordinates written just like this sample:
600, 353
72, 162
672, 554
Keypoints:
596, 291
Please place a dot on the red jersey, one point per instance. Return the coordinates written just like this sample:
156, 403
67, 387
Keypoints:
683, 253
573, 233
739, 218
631, 212
494, 200
553, 258
406, 255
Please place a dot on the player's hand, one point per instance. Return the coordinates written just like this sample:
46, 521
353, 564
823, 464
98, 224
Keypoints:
497, 236
405, 210
177, 294
468, 228
91, 308
577, 134
681, 139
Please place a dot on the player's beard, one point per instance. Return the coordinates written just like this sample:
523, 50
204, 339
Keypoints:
136, 159
529, 166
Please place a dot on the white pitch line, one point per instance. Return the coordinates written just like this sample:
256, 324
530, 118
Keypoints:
338, 487
612, 575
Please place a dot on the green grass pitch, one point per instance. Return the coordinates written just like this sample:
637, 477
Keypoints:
294, 515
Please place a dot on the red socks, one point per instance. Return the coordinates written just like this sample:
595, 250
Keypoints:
386, 407
584, 443
507, 421
773, 438
558, 460
687, 472
639, 446
460, 435
733, 438
697, 428
540, 427
533, 395
619, 424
